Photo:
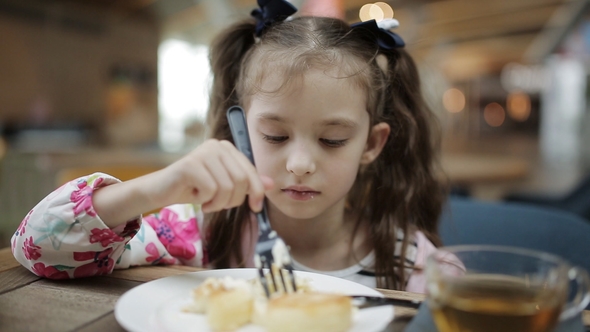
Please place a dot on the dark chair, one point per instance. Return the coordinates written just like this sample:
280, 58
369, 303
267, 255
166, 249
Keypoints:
577, 201
565, 234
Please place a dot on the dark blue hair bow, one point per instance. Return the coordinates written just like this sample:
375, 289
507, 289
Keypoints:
271, 11
385, 39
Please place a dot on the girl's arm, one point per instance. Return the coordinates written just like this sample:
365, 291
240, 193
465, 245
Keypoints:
89, 225
62, 237
215, 175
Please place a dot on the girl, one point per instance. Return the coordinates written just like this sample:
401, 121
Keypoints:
344, 157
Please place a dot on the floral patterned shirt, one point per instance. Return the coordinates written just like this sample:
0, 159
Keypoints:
62, 237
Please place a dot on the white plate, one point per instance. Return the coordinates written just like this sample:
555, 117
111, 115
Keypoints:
156, 305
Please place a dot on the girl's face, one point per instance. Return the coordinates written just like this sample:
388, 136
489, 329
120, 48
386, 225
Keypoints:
311, 138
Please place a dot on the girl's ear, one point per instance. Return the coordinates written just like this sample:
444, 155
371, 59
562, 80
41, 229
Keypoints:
375, 143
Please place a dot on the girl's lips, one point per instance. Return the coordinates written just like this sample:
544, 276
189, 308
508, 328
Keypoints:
301, 193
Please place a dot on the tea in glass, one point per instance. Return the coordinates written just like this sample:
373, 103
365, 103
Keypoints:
495, 288
488, 303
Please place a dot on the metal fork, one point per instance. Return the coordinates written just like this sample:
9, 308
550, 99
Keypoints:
271, 251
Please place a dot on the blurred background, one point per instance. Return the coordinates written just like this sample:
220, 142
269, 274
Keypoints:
121, 86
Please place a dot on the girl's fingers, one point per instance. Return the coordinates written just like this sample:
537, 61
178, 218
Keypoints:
224, 185
205, 186
256, 187
222, 177
253, 201
240, 180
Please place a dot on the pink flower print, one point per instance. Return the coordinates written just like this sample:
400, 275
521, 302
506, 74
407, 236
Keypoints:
178, 237
104, 236
31, 251
155, 257
49, 271
83, 198
101, 263
23, 225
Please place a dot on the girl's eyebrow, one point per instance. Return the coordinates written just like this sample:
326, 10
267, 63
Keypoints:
340, 121
270, 117
333, 122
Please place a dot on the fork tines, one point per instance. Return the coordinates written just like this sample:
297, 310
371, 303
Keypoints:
290, 276
278, 280
272, 254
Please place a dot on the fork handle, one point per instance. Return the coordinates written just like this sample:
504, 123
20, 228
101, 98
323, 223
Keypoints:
239, 131
262, 217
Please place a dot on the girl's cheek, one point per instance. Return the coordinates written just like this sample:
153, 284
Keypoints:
260, 155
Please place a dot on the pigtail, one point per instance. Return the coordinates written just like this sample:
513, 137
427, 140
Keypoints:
226, 56
400, 186
418, 145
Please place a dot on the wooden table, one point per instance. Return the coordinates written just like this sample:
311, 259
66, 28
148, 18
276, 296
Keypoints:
29, 303
484, 176
468, 169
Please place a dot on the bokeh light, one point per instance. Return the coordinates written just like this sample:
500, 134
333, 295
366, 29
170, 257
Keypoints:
518, 105
386, 9
375, 11
494, 114
365, 12
454, 100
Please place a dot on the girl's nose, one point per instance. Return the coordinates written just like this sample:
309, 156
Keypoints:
300, 161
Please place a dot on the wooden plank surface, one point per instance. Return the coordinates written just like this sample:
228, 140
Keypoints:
149, 273
402, 313
107, 322
60, 305
15, 278
401, 295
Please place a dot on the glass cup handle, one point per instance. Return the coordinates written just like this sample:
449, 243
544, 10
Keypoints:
582, 298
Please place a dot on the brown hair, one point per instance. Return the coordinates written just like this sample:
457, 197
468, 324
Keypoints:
399, 190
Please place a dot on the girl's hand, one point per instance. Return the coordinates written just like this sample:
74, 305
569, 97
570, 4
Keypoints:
215, 175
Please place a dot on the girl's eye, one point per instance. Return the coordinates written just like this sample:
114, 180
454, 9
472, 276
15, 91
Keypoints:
333, 143
274, 139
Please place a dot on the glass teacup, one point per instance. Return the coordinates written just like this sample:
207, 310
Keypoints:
495, 288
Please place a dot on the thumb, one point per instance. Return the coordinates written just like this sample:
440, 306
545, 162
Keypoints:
267, 183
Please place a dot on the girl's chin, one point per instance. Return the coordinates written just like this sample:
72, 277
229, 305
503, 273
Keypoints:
297, 212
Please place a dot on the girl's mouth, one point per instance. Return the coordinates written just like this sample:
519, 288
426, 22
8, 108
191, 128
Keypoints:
301, 195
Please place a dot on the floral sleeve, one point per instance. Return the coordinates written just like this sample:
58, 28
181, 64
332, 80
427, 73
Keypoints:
62, 236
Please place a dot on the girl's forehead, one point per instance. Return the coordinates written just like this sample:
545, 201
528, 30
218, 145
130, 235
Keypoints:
275, 84
315, 96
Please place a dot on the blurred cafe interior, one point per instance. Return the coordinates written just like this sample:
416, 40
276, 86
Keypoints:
120, 86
